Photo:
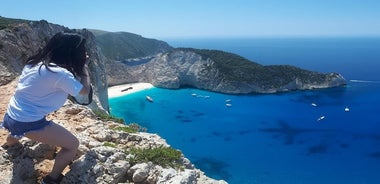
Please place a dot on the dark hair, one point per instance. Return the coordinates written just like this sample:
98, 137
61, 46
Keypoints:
66, 50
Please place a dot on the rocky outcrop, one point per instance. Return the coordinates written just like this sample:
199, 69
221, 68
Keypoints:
21, 41
184, 67
96, 161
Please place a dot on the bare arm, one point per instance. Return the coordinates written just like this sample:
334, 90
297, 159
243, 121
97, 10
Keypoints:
85, 80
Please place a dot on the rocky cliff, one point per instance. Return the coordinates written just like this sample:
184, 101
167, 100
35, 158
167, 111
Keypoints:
20, 41
217, 71
104, 155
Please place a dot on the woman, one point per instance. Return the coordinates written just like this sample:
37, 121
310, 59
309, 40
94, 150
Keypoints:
43, 87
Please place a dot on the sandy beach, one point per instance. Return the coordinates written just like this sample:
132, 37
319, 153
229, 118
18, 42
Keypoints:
125, 89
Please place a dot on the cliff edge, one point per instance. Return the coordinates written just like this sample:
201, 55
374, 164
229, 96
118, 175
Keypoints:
104, 155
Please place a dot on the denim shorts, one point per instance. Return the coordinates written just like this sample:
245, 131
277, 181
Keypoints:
19, 129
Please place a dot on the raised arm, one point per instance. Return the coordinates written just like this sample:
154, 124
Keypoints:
85, 80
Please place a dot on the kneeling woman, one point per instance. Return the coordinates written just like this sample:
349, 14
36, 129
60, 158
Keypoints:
43, 87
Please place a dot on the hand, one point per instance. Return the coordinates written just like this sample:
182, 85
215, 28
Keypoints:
88, 61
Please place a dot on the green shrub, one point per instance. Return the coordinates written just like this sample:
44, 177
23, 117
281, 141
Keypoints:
163, 156
130, 128
109, 144
106, 117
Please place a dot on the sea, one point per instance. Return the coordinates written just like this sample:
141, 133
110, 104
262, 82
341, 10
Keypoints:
325, 136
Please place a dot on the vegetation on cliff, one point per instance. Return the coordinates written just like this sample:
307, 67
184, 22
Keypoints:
124, 45
163, 156
8, 22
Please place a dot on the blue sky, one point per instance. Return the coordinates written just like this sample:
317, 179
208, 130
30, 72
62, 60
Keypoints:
207, 18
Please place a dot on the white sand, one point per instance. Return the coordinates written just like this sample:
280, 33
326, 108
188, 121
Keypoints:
125, 89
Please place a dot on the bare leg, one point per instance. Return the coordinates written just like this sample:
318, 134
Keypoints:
58, 136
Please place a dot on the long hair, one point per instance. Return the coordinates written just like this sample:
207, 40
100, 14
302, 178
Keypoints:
66, 50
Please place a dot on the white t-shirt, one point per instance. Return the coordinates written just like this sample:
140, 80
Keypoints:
40, 92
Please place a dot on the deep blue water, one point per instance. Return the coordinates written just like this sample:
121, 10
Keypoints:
352, 57
275, 138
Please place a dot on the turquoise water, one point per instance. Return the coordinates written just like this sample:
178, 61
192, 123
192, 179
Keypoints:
273, 138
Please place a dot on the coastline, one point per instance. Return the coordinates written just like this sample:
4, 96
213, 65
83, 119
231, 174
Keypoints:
126, 89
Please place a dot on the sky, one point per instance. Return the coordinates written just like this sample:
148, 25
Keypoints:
207, 18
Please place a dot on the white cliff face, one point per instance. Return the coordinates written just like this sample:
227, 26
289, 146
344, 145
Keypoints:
176, 69
170, 70
24, 40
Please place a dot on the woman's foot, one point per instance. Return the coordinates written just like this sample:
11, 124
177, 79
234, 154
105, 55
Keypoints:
5, 146
14, 145
49, 180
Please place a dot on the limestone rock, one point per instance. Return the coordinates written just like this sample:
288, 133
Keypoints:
186, 68
94, 162
21, 41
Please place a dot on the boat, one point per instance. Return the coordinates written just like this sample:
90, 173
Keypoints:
321, 118
314, 104
150, 99
228, 105
346, 109
126, 89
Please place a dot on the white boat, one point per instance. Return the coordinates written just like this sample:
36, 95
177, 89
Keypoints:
321, 118
228, 105
346, 109
150, 99
314, 104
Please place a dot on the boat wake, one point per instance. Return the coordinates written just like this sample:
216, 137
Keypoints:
364, 81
